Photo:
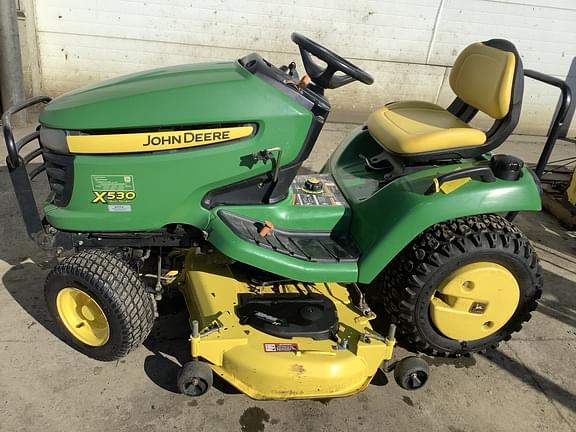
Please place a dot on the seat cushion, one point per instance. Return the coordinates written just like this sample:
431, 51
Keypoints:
413, 127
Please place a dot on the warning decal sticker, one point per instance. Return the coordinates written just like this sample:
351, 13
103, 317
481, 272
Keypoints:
280, 347
113, 188
124, 183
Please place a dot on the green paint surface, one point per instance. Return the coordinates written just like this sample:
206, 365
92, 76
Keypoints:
381, 219
197, 94
385, 220
241, 250
170, 185
286, 215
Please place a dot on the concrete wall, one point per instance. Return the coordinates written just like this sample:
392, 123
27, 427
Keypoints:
27, 70
407, 45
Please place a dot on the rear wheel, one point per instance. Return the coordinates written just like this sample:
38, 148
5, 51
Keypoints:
462, 286
100, 304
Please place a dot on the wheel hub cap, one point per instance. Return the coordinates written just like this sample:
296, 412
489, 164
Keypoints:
475, 301
83, 317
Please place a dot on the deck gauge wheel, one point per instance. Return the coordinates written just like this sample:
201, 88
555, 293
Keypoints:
195, 378
411, 373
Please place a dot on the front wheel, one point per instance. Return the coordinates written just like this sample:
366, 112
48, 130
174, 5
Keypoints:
100, 304
462, 286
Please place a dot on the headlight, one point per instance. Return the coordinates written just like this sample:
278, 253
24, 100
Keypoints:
54, 139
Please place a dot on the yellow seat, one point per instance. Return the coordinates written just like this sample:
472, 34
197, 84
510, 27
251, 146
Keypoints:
417, 127
486, 76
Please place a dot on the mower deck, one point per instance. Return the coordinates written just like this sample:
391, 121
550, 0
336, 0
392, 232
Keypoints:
269, 367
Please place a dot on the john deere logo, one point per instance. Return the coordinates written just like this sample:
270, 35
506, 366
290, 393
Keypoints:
188, 137
477, 308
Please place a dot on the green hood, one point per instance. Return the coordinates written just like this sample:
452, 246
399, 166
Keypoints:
180, 95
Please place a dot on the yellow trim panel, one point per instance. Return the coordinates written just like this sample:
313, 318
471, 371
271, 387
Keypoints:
155, 141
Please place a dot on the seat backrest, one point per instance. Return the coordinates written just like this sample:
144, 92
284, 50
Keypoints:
484, 76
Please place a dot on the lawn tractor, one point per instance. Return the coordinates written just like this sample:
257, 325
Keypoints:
187, 179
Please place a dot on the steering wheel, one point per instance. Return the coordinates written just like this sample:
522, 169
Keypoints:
326, 77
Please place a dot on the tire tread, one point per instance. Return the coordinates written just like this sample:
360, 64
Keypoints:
120, 288
400, 282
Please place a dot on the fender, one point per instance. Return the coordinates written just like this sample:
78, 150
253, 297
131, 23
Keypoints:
394, 216
386, 219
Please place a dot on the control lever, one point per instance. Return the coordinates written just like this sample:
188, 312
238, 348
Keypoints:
266, 155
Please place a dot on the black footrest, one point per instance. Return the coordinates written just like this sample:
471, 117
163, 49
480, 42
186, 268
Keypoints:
305, 245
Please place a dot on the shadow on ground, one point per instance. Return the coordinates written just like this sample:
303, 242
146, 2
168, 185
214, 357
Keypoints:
25, 283
170, 347
561, 304
24, 280
533, 378
15, 246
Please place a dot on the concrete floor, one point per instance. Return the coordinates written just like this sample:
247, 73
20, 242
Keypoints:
529, 384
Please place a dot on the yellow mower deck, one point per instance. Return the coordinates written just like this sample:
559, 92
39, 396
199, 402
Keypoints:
268, 367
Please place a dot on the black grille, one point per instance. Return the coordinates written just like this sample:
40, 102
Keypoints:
60, 171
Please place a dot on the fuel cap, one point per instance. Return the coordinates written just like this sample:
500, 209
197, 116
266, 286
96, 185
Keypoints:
506, 167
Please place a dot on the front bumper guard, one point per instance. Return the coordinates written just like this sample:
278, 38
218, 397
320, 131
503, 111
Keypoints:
43, 234
21, 179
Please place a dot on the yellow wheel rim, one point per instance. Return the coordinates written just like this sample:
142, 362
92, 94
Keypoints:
475, 301
83, 317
